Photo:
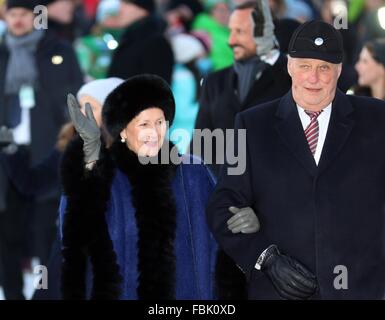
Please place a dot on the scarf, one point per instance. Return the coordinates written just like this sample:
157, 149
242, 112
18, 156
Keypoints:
247, 72
21, 68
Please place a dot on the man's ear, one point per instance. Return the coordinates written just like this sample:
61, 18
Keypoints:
123, 134
339, 69
289, 65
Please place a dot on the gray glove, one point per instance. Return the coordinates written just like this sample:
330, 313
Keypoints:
87, 128
264, 35
244, 220
6, 137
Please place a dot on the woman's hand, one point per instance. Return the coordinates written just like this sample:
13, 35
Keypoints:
244, 220
87, 128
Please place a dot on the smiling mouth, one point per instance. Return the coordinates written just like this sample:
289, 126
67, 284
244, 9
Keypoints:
313, 89
151, 144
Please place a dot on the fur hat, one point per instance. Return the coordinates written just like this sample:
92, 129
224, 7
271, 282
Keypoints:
132, 97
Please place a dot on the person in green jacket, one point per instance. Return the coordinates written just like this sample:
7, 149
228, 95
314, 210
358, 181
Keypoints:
214, 22
95, 51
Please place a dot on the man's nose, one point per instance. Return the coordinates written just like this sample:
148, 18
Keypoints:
313, 76
232, 40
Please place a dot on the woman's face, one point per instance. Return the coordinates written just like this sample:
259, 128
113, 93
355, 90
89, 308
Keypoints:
145, 134
369, 70
95, 105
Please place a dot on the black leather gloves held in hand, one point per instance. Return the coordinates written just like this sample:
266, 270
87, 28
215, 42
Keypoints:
290, 278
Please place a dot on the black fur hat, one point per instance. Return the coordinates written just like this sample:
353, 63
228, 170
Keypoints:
132, 97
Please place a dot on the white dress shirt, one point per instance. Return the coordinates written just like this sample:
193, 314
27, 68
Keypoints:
323, 124
271, 57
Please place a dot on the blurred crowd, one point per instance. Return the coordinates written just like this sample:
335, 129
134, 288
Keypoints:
183, 41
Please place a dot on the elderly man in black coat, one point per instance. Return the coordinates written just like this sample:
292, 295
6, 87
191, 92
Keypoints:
315, 176
37, 71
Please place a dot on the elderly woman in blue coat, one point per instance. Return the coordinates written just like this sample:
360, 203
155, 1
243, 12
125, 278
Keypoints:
132, 206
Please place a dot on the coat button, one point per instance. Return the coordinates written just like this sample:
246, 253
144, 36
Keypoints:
57, 60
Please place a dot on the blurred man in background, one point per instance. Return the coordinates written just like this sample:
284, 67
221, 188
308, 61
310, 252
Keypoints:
36, 72
143, 47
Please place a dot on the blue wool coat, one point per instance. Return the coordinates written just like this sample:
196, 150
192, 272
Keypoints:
195, 248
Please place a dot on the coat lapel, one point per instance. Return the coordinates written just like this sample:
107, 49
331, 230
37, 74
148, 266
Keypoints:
291, 132
259, 86
340, 126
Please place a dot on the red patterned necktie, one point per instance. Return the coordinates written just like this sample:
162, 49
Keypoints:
312, 130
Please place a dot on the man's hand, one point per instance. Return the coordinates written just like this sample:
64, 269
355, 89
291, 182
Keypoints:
289, 277
87, 128
244, 220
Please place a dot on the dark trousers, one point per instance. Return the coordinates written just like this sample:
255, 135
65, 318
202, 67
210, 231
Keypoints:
44, 228
13, 240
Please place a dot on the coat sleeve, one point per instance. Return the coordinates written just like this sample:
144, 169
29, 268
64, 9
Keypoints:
32, 181
236, 190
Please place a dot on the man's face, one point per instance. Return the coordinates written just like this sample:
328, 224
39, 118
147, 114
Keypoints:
314, 82
19, 21
241, 38
62, 11
128, 14
221, 13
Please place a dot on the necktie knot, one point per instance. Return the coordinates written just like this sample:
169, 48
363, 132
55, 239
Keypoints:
313, 114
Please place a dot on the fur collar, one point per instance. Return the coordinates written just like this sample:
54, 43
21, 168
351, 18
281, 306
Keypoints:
154, 202
85, 231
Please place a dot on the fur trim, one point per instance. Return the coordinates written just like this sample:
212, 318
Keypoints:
133, 96
85, 231
156, 220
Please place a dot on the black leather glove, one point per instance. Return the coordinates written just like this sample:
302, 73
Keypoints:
289, 277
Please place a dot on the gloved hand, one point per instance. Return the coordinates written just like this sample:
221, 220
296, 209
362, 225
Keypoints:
264, 35
290, 278
87, 128
244, 220
6, 137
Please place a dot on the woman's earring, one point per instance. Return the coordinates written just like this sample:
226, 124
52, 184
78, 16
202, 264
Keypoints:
123, 140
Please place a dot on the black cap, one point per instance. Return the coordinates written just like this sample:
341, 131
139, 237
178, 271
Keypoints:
317, 40
26, 4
